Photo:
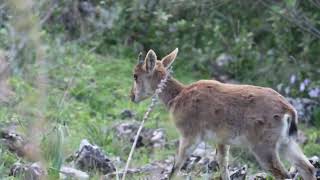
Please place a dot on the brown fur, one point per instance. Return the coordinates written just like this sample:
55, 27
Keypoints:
227, 113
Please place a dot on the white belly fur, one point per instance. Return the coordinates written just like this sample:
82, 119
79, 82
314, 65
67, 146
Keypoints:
212, 137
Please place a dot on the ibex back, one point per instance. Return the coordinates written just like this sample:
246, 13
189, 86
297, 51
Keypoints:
257, 117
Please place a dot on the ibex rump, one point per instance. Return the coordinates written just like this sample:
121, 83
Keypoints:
257, 117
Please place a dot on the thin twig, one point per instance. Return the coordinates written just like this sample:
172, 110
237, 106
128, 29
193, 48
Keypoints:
49, 14
154, 100
316, 3
303, 25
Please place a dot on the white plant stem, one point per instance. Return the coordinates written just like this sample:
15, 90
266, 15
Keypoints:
154, 100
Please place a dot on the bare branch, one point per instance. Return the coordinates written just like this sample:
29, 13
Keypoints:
154, 100
297, 18
49, 13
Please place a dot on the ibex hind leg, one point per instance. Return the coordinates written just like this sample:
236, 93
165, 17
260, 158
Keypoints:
295, 156
268, 158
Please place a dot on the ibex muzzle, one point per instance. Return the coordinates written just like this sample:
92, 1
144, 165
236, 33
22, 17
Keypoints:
257, 117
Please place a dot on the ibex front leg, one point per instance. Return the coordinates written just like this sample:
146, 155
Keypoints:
186, 147
223, 153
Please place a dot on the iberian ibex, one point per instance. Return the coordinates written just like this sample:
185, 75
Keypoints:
257, 117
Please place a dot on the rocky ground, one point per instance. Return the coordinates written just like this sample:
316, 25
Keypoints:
90, 159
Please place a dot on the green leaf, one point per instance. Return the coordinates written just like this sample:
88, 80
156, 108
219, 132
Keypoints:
291, 3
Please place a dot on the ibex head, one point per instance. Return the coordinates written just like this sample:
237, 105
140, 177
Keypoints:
148, 73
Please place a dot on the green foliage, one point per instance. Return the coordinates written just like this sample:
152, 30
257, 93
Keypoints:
7, 159
267, 41
52, 147
316, 117
90, 67
312, 148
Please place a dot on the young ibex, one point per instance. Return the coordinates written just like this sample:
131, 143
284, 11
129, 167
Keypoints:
257, 117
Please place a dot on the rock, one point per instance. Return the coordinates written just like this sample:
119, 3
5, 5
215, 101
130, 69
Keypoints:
32, 171
315, 161
213, 165
304, 107
259, 176
190, 163
19, 145
219, 68
155, 170
127, 114
203, 149
91, 158
86, 8
127, 131
202, 160
159, 169
224, 59
72, 173
13, 141
237, 173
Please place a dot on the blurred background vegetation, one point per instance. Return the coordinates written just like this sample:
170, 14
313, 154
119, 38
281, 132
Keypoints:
69, 63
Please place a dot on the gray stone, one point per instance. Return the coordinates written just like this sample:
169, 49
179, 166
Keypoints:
29, 171
238, 173
72, 173
127, 114
155, 170
13, 141
315, 161
91, 158
201, 162
18, 144
127, 131
224, 59
219, 68
258, 176
86, 8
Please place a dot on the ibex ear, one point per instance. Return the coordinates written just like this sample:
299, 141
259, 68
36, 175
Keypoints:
150, 61
168, 60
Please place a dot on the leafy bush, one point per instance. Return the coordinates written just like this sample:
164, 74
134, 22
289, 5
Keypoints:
269, 41
316, 117
90, 54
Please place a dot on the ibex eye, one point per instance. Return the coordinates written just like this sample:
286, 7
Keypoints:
135, 77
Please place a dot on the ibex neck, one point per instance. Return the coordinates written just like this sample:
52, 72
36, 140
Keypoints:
172, 88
